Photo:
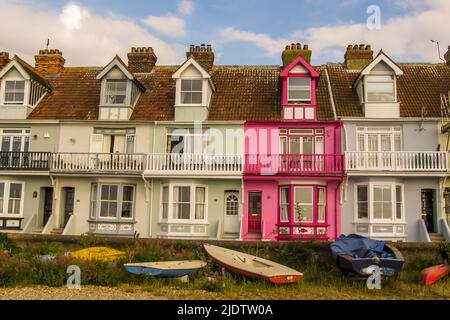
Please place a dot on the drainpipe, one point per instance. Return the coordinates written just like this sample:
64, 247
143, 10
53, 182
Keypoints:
336, 203
149, 189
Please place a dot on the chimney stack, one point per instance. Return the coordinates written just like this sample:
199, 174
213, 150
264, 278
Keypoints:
49, 61
294, 50
141, 59
358, 56
4, 59
447, 56
203, 54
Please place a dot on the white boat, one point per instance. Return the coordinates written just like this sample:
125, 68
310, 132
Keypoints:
165, 268
252, 266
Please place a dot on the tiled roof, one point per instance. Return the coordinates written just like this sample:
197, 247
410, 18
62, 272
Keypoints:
36, 76
242, 93
419, 87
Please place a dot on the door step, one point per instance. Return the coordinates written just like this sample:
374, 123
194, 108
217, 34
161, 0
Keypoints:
436, 237
57, 231
229, 236
253, 236
38, 231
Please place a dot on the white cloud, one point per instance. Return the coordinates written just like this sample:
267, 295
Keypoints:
169, 25
405, 38
95, 42
185, 7
72, 15
265, 42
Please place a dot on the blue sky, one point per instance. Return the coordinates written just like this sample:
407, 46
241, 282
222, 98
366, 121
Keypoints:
241, 31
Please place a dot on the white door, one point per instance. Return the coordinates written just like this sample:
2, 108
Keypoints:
231, 219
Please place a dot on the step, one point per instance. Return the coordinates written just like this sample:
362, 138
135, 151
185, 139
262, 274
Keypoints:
57, 231
37, 230
436, 237
230, 235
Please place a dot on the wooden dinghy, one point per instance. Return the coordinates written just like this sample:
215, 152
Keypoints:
433, 274
165, 268
98, 253
252, 266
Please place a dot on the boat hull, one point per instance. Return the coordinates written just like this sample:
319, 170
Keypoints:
160, 273
165, 269
433, 274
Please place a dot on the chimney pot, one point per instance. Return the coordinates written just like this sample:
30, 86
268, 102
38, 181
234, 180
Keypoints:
203, 54
49, 61
4, 59
358, 56
141, 59
293, 51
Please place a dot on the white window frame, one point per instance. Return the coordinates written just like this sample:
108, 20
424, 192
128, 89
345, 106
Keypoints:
379, 131
366, 87
7, 186
25, 132
192, 202
370, 207
188, 134
180, 91
97, 205
103, 99
24, 91
299, 88
228, 208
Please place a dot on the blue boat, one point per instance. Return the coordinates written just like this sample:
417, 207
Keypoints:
165, 268
356, 254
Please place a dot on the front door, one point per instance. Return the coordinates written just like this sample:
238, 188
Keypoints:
48, 204
427, 209
231, 219
254, 212
68, 204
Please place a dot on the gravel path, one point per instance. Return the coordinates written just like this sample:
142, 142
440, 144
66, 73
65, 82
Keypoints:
85, 293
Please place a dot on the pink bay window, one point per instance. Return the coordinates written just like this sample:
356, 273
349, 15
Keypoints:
302, 212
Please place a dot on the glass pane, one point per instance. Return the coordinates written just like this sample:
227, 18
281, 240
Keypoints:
386, 142
303, 195
196, 97
127, 209
321, 195
105, 192
361, 142
294, 145
377, 210
307, 145
113, 192
6, 142
185, 85
165, 195
113, 209
17, 143
199, 211
184, 209
398, 193
299, 81
2, 190
362, 193
104, 209
377, 194
303, 95
362, 210
284, 213
387, 195
283, 145
387, 210
186, 97
9, 85
321, 213
165, 211
15, 190
319, 145
185, 194
128, 193
372, 141
200, 195
197, 85
397, 142
380, 78
304, 213
20, 85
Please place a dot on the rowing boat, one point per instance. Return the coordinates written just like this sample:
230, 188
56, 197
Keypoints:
165, 268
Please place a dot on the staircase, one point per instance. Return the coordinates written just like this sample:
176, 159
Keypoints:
57, 231
436, 237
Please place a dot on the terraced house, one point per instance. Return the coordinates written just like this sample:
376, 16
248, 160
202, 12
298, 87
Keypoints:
200, 150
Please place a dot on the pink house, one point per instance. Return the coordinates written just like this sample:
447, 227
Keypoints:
294, 166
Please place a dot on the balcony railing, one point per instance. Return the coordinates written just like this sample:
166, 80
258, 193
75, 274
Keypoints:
168, 163
292, 164
98, 162
397, 161
33, 161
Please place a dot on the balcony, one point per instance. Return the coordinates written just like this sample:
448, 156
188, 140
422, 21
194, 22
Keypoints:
167, 164
397, 161
25, 161
294, 164
113, 163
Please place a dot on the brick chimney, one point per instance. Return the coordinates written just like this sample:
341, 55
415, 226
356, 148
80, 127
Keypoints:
4, 59
141, 59
294, 50
49, 61
447, 56
358, 56
203, 54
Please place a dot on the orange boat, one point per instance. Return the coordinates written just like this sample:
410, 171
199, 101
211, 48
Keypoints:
432, 274
252, 266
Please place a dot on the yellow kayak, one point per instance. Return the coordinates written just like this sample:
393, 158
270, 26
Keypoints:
98, 253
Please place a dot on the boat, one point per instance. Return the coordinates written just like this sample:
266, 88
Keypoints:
433, 274
355, 254
98, 253
252, 266
165, 268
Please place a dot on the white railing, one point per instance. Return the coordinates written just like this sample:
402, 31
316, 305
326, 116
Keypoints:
396, 161
423, 232
98, 162
194, 163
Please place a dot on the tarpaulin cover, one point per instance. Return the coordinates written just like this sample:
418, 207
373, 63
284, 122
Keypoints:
358, 247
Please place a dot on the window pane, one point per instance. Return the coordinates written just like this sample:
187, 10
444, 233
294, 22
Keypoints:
185, 194
113, 209
200, 195
15, 190
387, 210
303, 195
301, 95
399, 200
185, 85
362, 204
127, 209
232, 205
105, 192
307, 145
9, 85
113, 192
363, 210
196, 97
377, 194
387, 195
377, 210
304, 213
299, 81
197, 85
186, 97
294, 146
284, 204
362, 193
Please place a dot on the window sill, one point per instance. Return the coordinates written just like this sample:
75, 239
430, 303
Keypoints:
122, 221
188, 222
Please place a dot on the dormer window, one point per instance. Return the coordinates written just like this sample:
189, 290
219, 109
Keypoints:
299, 90
191, 91
116, 91
14, 92
380, 88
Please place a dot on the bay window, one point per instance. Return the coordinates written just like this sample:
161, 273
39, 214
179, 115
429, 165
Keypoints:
112, 201
191, 91
299, 90
380, 88
116, 91
11, 198
303, 199
184, 203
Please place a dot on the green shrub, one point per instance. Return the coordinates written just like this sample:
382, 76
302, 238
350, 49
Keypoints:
444, 250
8, 245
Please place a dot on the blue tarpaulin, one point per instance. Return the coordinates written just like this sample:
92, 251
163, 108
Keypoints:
358, 247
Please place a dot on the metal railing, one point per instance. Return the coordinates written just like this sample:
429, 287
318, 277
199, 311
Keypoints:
15, 160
